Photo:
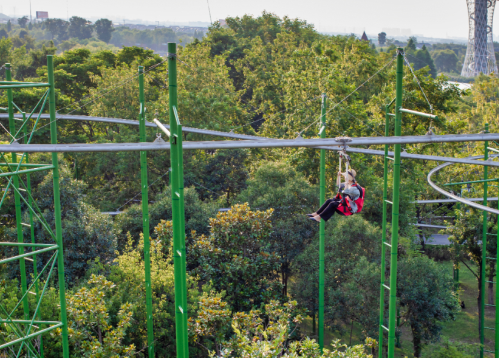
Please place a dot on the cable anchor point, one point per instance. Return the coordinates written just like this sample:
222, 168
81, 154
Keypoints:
158, 139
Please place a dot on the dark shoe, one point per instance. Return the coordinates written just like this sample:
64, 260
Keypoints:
310, 215
314, 220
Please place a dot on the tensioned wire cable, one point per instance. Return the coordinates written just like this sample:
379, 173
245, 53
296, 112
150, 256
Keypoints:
309, 99
419, 83
350, 94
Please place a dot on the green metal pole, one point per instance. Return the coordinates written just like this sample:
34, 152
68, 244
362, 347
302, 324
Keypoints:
32, 228
395, 209
322, 225
496, 341
145, 216
17, 198
484, 248
57, 209
178, 237
383, 238
182, 250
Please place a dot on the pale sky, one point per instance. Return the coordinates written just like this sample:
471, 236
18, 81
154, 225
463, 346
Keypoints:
431, 18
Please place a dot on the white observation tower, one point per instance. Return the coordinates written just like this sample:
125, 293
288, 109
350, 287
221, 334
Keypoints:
480, 55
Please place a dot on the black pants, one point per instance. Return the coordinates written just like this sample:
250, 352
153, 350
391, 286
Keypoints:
329, 208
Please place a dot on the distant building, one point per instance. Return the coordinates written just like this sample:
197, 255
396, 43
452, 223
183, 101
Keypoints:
364, 37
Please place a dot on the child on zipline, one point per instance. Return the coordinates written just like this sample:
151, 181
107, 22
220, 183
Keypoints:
348, 201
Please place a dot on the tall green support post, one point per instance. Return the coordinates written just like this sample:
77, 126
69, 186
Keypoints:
145, 216
496, 346
57, 209
322, 224
383, 238
17, 197
32, 227
177, 212
484, 247
395, 209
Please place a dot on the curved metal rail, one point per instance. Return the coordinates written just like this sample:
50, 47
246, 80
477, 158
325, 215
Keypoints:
455, 197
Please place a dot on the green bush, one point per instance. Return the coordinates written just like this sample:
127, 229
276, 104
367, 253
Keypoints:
448, 349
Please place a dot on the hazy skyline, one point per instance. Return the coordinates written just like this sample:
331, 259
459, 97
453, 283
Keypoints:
431, 18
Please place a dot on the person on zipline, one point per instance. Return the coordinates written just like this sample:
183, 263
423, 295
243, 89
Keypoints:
348, 201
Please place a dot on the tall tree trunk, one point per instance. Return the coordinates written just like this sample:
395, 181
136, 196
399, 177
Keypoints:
416, 341
351, 332
490, 295
490, 291
284, 278
313, 324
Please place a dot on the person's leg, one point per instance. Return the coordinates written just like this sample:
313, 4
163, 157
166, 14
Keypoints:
323, 207
329, 210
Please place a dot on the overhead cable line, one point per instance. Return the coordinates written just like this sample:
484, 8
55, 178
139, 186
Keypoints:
351, 93
419, 83
309, 99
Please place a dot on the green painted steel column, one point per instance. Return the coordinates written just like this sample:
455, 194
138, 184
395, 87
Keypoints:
395, 209
178, 237
183, 256
17, 198
57, 209
484, 247
145, 216
383, 238
322, 224
32, 227
496, 340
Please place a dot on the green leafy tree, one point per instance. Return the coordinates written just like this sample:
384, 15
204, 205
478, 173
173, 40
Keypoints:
446, 348
80, 28
446, 60
382, 38
127, 274
90, 330
235, 257
86, 233
5, 50
22, 21
423, 59
411, 44
222, 174
197, 214
266, 333
3, 33
352, 244
427, 299
104, 29
58, 28
466, 236
278, 186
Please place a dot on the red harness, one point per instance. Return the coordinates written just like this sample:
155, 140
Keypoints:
345, 207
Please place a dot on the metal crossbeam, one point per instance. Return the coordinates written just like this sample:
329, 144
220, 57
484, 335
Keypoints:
455, 197
438, 201
266, 143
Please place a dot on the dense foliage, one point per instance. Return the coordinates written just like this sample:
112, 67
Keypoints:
262, 76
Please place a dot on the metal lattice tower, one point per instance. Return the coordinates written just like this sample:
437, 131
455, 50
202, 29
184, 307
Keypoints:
480, 56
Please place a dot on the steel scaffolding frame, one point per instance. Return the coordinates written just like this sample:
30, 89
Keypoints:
174, 130
24, 330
